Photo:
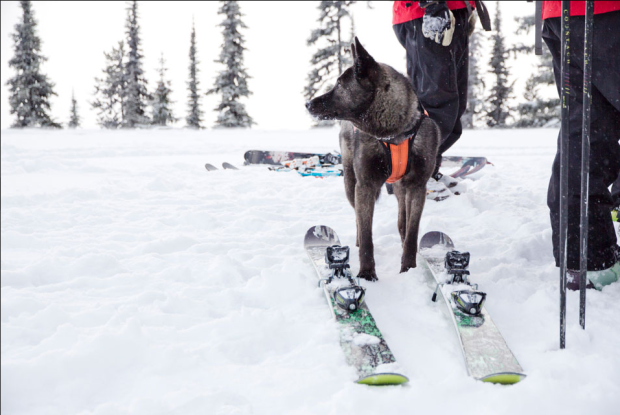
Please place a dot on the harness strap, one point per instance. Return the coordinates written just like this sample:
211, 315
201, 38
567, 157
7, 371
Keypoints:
400, 154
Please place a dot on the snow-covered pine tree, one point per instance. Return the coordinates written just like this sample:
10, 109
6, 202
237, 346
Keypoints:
475, 83
161, 103
231, 83
498, 110
194, 115
537, 111
137, 96
29, 89
330, 60
110, 91
74, 121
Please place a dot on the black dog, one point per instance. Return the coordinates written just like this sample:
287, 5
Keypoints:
378, 105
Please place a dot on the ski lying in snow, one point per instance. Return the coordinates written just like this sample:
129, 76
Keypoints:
434, 191
321, 173
487, 357
362, 342
210, 167
278, 157
229, 166
466, 165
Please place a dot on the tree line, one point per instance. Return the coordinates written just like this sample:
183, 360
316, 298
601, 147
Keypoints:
122, 98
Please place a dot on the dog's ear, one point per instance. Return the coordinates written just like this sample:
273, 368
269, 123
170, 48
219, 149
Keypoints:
364, 63
353, 53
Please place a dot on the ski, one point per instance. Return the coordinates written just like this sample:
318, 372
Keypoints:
486, 354
210, 167
229, 166
362, 343
279, 157
315, 172
466, 165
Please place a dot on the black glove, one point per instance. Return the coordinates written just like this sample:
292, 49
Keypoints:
438, 23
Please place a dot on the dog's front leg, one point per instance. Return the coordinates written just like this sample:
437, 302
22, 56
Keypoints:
365, 197
415, 199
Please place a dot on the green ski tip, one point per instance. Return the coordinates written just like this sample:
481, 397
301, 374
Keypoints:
383, 379
504, 378
614, 215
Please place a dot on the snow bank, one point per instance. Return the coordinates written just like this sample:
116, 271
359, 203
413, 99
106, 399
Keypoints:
136, 282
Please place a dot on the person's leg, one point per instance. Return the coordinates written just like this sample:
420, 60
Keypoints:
439, 74
615, 193
604, 150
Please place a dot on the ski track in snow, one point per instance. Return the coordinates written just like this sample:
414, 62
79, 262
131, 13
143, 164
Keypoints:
136, 282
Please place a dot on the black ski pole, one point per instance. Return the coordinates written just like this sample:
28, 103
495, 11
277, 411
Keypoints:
565, 87
585, 160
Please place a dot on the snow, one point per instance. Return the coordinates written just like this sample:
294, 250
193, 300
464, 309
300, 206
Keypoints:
136, 282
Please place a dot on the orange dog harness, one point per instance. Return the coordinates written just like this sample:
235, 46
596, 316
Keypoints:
399, 154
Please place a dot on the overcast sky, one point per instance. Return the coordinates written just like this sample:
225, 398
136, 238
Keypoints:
75, 34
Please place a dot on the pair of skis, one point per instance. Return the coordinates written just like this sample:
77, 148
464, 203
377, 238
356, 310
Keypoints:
487, 357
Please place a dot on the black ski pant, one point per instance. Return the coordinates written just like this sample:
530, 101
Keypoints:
439, 75
604, 136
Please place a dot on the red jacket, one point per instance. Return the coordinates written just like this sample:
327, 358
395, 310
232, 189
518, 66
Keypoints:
403, 11
578, 8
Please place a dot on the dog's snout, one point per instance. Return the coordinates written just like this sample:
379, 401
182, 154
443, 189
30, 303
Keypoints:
308, 105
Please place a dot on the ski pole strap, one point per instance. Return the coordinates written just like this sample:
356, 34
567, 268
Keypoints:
538, 29
483, 13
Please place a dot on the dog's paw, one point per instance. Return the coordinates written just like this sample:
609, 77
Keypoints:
368, 275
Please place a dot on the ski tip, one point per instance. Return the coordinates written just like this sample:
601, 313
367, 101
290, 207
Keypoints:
507, 378
229, 166
383, 379
434, 238
321, 235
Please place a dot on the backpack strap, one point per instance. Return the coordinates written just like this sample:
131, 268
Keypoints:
483, 13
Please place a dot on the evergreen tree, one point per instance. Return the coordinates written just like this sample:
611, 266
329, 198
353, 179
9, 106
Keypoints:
30, 90
498, 110
330, 60
231, 83
137, 95
475, 83
74, 121
194, 115
536, 111
161, 103
110, 91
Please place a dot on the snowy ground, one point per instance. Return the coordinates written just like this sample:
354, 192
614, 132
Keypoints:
136, 282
